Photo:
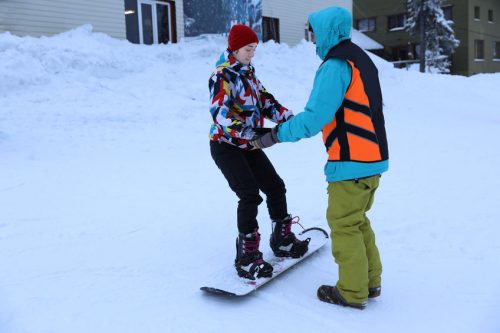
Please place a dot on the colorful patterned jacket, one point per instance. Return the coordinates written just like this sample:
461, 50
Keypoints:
239, 103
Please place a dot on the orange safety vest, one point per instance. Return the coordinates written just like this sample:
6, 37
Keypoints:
357, 132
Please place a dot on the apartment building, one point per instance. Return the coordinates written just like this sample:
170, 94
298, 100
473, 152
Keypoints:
476, 24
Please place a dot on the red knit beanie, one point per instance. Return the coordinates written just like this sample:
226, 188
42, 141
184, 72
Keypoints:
239, 36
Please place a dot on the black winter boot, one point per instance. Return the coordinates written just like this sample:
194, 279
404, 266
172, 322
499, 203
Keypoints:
331, 294
283, 241
374, 292
249, 263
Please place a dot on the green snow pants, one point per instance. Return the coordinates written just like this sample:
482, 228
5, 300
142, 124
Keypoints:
353, 240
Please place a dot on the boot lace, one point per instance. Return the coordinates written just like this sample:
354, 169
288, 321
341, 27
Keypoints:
288, 225
251, 245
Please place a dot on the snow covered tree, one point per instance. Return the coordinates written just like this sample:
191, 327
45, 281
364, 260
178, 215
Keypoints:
206, 17
216, 17
248, 12
437, 37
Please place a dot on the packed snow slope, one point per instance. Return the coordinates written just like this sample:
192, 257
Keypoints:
113, 213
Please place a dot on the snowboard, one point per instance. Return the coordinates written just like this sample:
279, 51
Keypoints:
233, 285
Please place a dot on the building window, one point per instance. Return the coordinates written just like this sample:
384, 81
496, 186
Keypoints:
149, 22
132, 21
478, 49
396, 22
448, 13
367, 24
477, 13
496, 50
490, 15
270, 29
307, 32
400, 53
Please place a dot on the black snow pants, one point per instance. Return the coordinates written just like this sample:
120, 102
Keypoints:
247, 172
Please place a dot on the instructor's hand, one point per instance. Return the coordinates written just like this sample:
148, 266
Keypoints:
267, 140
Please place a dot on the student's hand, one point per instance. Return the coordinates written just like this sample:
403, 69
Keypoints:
267, 140
260, 131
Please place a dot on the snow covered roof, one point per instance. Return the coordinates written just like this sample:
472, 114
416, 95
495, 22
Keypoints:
364, 41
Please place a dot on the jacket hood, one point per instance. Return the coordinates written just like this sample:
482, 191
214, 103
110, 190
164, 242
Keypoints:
224, 57
331, 26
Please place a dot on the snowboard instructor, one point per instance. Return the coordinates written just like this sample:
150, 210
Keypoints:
346, 105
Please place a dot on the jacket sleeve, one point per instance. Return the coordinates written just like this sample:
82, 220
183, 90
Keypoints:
271, 108
221, 99
330, 85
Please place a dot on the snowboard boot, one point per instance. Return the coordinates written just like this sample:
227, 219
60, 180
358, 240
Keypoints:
331, 295
283, 241
249, 263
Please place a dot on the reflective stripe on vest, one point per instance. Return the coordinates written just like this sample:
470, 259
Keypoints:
351, 136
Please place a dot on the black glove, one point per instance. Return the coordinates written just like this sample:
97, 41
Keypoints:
260, 131
266, 140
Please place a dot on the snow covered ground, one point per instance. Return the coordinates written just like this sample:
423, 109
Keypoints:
113, 214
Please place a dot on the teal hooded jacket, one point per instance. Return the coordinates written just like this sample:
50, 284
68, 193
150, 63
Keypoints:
331, 26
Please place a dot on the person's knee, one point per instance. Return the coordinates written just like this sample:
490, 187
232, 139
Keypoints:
277, 188
250, 197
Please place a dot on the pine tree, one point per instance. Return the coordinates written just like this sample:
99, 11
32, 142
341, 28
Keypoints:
440, 41
206, 17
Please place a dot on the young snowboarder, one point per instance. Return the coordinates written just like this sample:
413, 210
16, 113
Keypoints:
239, 104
